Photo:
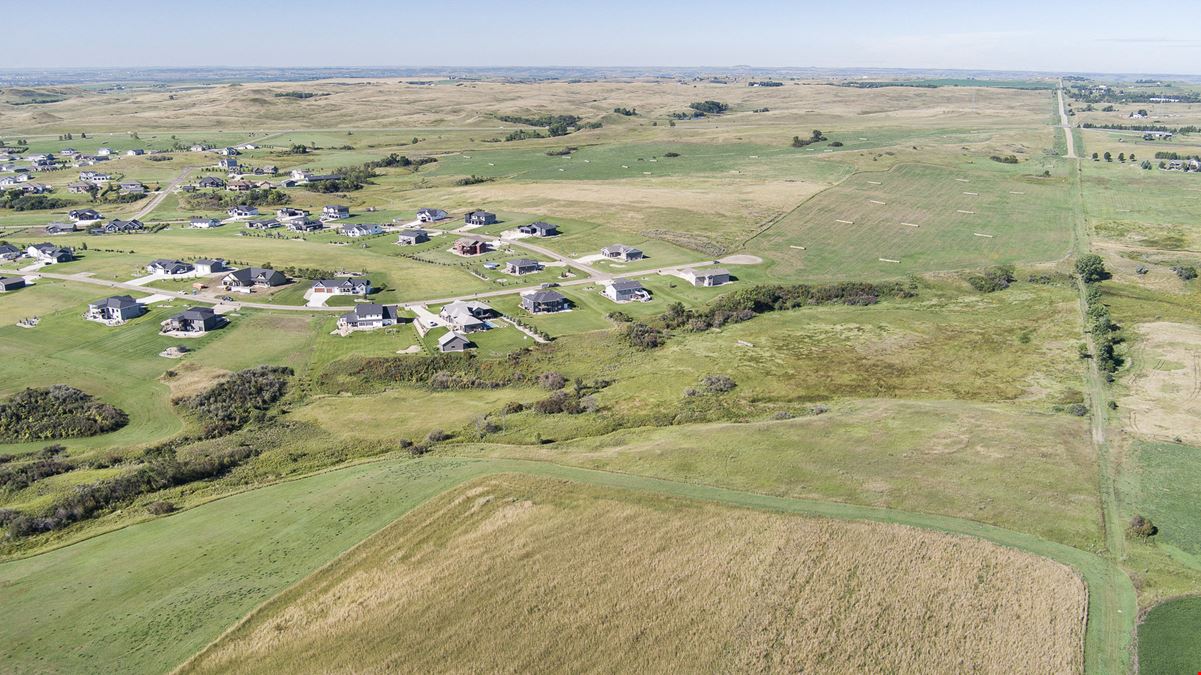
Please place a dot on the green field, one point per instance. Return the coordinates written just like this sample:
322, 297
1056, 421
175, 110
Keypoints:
1169, 638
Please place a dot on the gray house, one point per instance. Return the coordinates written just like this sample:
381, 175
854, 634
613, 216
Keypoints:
367, 315
479, 218
522, 266
11, 284
194, 320
411, 237
117, 309
9, 252
467, 316
539, 229
242, 211
348, 286
268, 224
453, 342
622, 252
253, 277
84, 215
117, 225
210, 182
49, 253
544, 302
60, 228
305, 225
625, 290
209, 266
334, 212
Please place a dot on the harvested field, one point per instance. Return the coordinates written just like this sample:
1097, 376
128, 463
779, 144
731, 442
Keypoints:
628, 582
1164, 395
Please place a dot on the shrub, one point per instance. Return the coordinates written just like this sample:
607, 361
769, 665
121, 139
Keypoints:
552, 381
160, 508
1186, 273
671, 154
993, 279
642, 336
1142, 527
58, 411
1078, 409
239, 399
512, 407
437, 436
718, 384
709, 107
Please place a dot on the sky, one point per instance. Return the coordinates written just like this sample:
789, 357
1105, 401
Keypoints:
1064, 36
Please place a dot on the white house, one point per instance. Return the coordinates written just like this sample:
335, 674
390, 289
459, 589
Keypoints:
361, 230
706, 276
625, 290
367, 316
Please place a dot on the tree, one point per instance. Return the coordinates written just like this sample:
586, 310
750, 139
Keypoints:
1122, 157
1091, 268
1096, 157
1108, 156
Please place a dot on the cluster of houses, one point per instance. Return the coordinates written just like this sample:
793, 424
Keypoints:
1185, 165
45, 253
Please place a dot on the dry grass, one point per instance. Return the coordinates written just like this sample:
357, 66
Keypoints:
1163, 400
517, 574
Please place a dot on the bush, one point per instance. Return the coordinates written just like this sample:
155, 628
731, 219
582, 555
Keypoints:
642, 336
552, 381
1186, 273
993, 279
512, 407
1078, 409
1142, 527
709, 107
718, 384
239, 399
1091, 268
437, 436
160, 508
58, 411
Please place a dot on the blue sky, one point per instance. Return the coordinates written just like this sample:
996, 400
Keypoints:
1101, 35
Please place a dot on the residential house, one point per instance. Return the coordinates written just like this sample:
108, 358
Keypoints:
361, 230
194, 320
68, 152
470, 246
264, 224
209, 266
242, 211
187, 187
625, 290
543, 302
301, 175
239, 186
521, 266
49, 253
227, 164
411, 237
104, 152
43, 165
114, 310
36, 188
202, 223
171, 267
60, 228
228, 152
622, 252
11, 284
134, 152
347, 286
289, 213
41, 157
133, 188
334, 212
431, 215
253, 277
367, 315
479, 218
706, 276
200, 147
210, 182
95, 177
453, 342
467, 316
117, 225
9, 252
539, 229
84, 215
305, 225
79, 188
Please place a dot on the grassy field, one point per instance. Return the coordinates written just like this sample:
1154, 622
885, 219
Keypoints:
608, 570
1169, 638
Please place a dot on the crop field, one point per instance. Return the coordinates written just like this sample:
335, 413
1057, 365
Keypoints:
1170, 638
453, 569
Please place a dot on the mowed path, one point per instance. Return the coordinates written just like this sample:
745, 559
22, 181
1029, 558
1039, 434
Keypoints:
151, 595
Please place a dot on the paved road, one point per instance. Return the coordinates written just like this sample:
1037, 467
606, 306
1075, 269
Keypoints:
162, 194
1066, 125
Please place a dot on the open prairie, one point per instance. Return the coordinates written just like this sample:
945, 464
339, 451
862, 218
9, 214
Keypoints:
493, 575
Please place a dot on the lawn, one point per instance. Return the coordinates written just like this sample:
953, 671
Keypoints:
1169, 638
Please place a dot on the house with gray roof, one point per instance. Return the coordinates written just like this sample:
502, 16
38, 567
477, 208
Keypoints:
706, 276
622, 252
412, 237
453, 342
335, 212
207, 182
84, 215
520, 266
268, 224
8, 284
170, 267
242, 211
114, 310
9, 252
479, 218
202, 223
360, 230
369, 316
209, 265
467, 316
253, 277
539, 229
625, 290
193, 320
431, 215
48, 253
117, 226
544, 302
60, 228
347, 286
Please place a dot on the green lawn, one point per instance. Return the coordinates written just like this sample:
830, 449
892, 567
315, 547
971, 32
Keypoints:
1169, 638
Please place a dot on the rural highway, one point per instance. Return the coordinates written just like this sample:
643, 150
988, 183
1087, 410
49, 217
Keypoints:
1066, 125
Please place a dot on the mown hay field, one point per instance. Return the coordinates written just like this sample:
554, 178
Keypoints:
523, 574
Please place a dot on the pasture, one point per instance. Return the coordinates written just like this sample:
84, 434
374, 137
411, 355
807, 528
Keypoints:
454, 568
